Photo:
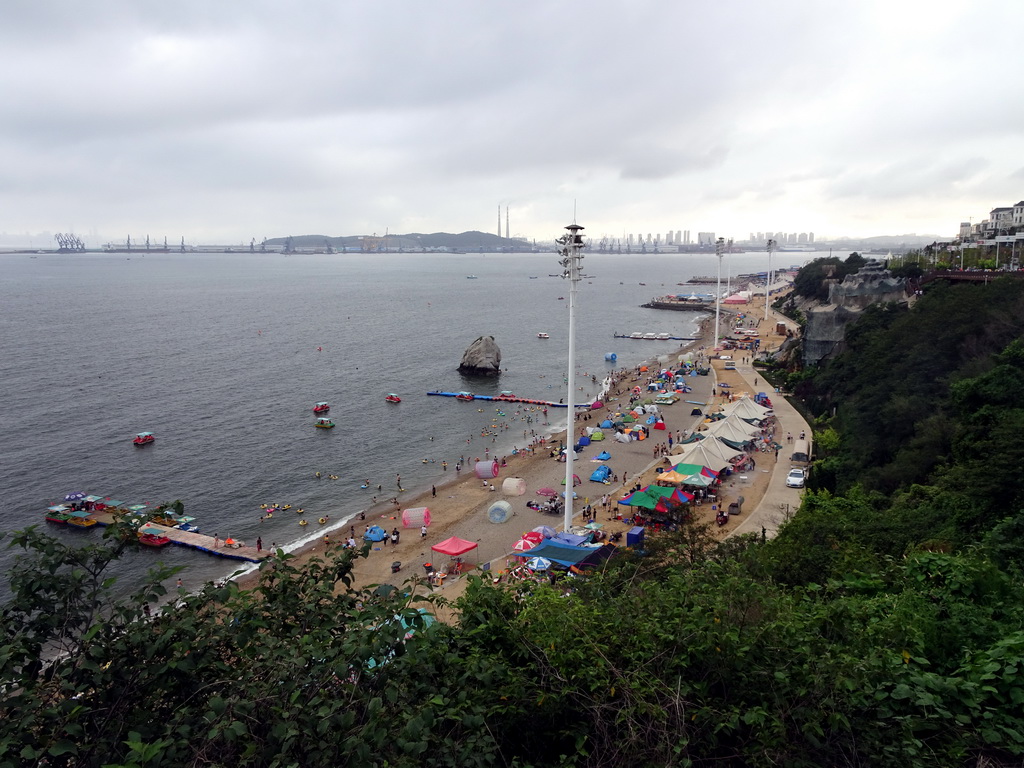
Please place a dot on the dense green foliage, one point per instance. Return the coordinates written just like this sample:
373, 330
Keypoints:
691, 655
884, 626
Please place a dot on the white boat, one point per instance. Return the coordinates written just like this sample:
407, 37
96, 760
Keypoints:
636, 335
664, 337
650, 336
543, 336
471, 277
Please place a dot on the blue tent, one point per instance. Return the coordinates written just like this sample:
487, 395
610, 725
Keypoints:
606, 424
601, 474
583, 441
602, 456
376, 533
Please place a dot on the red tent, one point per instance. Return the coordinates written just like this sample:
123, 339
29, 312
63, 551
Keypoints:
454, 546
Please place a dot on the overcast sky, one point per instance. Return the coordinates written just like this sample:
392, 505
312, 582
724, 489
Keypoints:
225, 120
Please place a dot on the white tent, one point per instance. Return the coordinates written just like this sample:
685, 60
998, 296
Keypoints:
699, 454
746, 408
732, 428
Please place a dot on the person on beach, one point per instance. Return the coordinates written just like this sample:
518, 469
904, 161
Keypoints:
216, 540
423, 531
394, 537
259, 544
433, 492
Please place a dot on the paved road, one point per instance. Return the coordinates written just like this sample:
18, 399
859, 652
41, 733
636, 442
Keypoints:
779, 502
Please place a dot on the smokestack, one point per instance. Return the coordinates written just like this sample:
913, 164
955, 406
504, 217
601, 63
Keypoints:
506, 222
499, 219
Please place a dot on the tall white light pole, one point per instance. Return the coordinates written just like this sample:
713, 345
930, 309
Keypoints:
572, 258
719, 252
768, 284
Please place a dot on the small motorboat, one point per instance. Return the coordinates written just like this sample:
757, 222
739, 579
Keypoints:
59, 513
81, 519
471, 277
543, 336
144, 438
324, 424
153, 540
465, 396
321, 408
392, 398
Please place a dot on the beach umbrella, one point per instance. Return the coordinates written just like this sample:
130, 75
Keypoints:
546, 531
76, 496
547, 492
523, 545
538, 563
535, 536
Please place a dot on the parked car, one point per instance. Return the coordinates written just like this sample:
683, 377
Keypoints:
795, 478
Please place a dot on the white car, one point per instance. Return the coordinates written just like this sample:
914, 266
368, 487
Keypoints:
795, 478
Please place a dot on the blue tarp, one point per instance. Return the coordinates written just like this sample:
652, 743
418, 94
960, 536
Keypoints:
563, 554
570, 538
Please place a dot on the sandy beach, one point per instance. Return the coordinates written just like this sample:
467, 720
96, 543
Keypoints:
460, 505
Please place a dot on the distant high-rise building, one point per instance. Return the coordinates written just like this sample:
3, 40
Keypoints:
802, 238
705, 238
810, 237
679, 233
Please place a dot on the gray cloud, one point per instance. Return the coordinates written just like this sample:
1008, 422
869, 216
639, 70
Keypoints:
226, 121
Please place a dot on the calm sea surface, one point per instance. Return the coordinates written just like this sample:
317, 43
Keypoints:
217, 355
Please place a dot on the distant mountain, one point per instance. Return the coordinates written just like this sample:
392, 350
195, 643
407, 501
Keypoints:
415, 241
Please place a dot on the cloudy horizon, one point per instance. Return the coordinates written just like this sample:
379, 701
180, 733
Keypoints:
224, 122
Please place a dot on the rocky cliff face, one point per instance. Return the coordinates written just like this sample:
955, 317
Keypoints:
482, 358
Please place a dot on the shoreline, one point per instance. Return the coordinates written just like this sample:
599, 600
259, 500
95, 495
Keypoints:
460, 505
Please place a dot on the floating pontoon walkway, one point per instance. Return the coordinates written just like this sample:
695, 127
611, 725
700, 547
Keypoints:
507, 399
199, 541
663, 338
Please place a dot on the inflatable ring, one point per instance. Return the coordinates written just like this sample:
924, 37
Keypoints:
269, 515
287, 506
303, 522
323, 520
300, 510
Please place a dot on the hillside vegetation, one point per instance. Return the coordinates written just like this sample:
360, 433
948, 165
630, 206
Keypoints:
884, 626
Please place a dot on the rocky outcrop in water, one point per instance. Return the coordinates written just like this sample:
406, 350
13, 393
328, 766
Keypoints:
482, 358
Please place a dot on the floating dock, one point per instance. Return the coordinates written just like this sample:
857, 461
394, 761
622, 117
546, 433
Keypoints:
670, 338
691, 306
199, 541
507, 399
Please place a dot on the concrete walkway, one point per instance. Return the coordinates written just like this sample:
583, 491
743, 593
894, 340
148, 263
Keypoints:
779, 503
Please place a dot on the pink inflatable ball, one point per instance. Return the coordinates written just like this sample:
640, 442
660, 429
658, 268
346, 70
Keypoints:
486, 470
513, 486
415, 517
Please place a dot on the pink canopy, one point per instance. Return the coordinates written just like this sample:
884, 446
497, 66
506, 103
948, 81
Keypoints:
454, 546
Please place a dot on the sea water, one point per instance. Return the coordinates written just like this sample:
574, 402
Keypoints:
222, 357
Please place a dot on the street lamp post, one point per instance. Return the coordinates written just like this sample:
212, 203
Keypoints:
768, 285
719, 252
572, 257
